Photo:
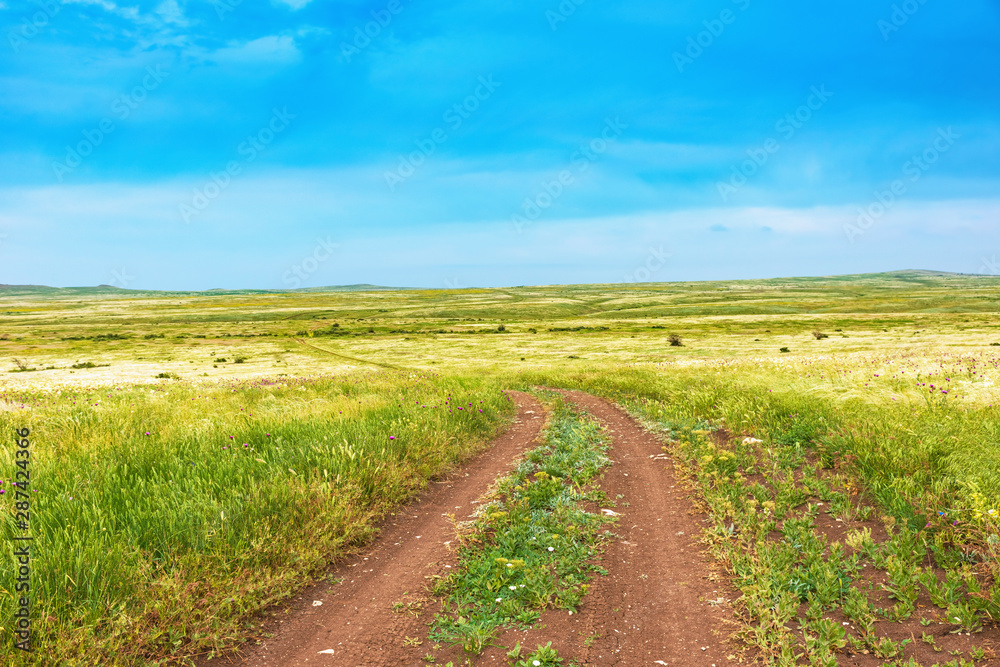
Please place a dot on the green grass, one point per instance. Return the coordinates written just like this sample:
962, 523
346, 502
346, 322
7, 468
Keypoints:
532, 545
543, 655
164, 517
798, 578
918, 452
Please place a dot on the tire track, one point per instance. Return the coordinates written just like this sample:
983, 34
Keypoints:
658, 605
356, 620
653, 606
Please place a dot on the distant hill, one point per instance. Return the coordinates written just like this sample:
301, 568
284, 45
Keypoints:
363, 287
111, 290
888, 279
922, 273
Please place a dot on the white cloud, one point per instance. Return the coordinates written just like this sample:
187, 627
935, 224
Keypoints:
312, 30
346, 195
278, 214
663, 155
294, 5
170, 12
271, 49
157, 28
131, 13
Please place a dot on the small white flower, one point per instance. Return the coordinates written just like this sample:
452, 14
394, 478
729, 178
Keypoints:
513, 588
499, 599
552, 548
510, 565
535, 663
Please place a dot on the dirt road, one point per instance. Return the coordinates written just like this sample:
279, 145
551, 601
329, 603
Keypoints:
356, 620
656, 606
653, 607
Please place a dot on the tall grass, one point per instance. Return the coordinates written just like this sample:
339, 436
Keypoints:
164, 516
918, 451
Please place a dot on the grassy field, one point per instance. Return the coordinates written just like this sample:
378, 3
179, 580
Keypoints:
198, 456
163, 515
139, 335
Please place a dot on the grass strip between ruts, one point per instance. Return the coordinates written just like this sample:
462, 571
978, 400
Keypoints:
531, 546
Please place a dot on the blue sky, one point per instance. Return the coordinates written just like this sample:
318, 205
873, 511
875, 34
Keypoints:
296, 143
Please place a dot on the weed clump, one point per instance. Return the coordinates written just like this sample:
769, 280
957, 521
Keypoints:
88, 364
675, 341
22, 366
545, 655
576, 329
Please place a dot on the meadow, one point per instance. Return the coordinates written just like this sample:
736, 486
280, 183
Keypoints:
197, 457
